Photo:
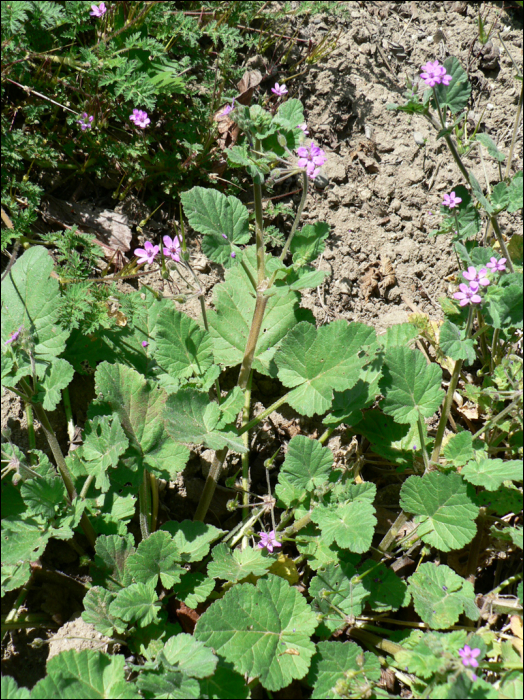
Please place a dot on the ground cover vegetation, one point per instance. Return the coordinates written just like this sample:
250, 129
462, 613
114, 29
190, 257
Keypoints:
296, 589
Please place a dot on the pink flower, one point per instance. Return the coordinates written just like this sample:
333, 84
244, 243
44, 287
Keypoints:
434, 74
147, 255
85, 121
140, 118
145, 343
233, 254
451, 200
468, 294
304, 128
469, 656
172, 247
479, 277
268, 541
98, 11
311, 159
228, 108
497, 265
13, 336
279, 90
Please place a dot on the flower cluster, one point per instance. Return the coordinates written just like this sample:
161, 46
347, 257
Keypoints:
148, 253
85, 121
140, 118
434, 74
311, 158
268, 541
468, 293
98, 11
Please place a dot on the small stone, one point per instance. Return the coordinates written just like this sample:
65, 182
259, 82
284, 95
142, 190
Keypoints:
321, 182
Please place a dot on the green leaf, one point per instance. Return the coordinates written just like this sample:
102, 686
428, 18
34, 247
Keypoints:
400, 334
191, 418
317, 361
307, 465
31, 300
337, 592
229, 325
136, 603
348, 405
256, 627
23, 540
289, 114
214, 214
140, 406
11, 690
308, 243
454, 344
456, 94
459, 448
194, 588
503, 305
190, 656
510, 534
156, 557
500, 197
43, 495
111, 554
502, 501
350, 525
318, 553
57, 376
342, 669
490, 146
83, 674
431, 654
104, 442
491, 473
397, 442
386, 590
192, 539
515, 193
477, 191
444, 508
464, 219
96, 604
440, 596
410, 386
183, 348
235, 565
224, 683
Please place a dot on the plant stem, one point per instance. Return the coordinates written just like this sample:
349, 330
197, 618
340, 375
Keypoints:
501, 242
259, 227
31, 438
60, 461
254, 332
144, 500
206, 326
210, 485
421, 426
264, 414
68, 414
245, 456
499, 416
448, 400
390, 536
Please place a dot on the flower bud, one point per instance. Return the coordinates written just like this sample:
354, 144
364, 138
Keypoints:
282, 140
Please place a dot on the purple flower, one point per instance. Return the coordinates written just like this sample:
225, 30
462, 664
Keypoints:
172, 247
233, 254
434, 74
497, 265
228, 108
13, 336
268, 541
311, 158
469, 656
145, 343
147, 255
451, 200
98, 11
224, 236
304, 128
279, 90
479, 277
85, 121
468, 294
140, 118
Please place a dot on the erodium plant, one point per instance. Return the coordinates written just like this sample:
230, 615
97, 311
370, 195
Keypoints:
158, 391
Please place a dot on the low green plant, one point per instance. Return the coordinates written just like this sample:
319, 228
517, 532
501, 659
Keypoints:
158, 383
